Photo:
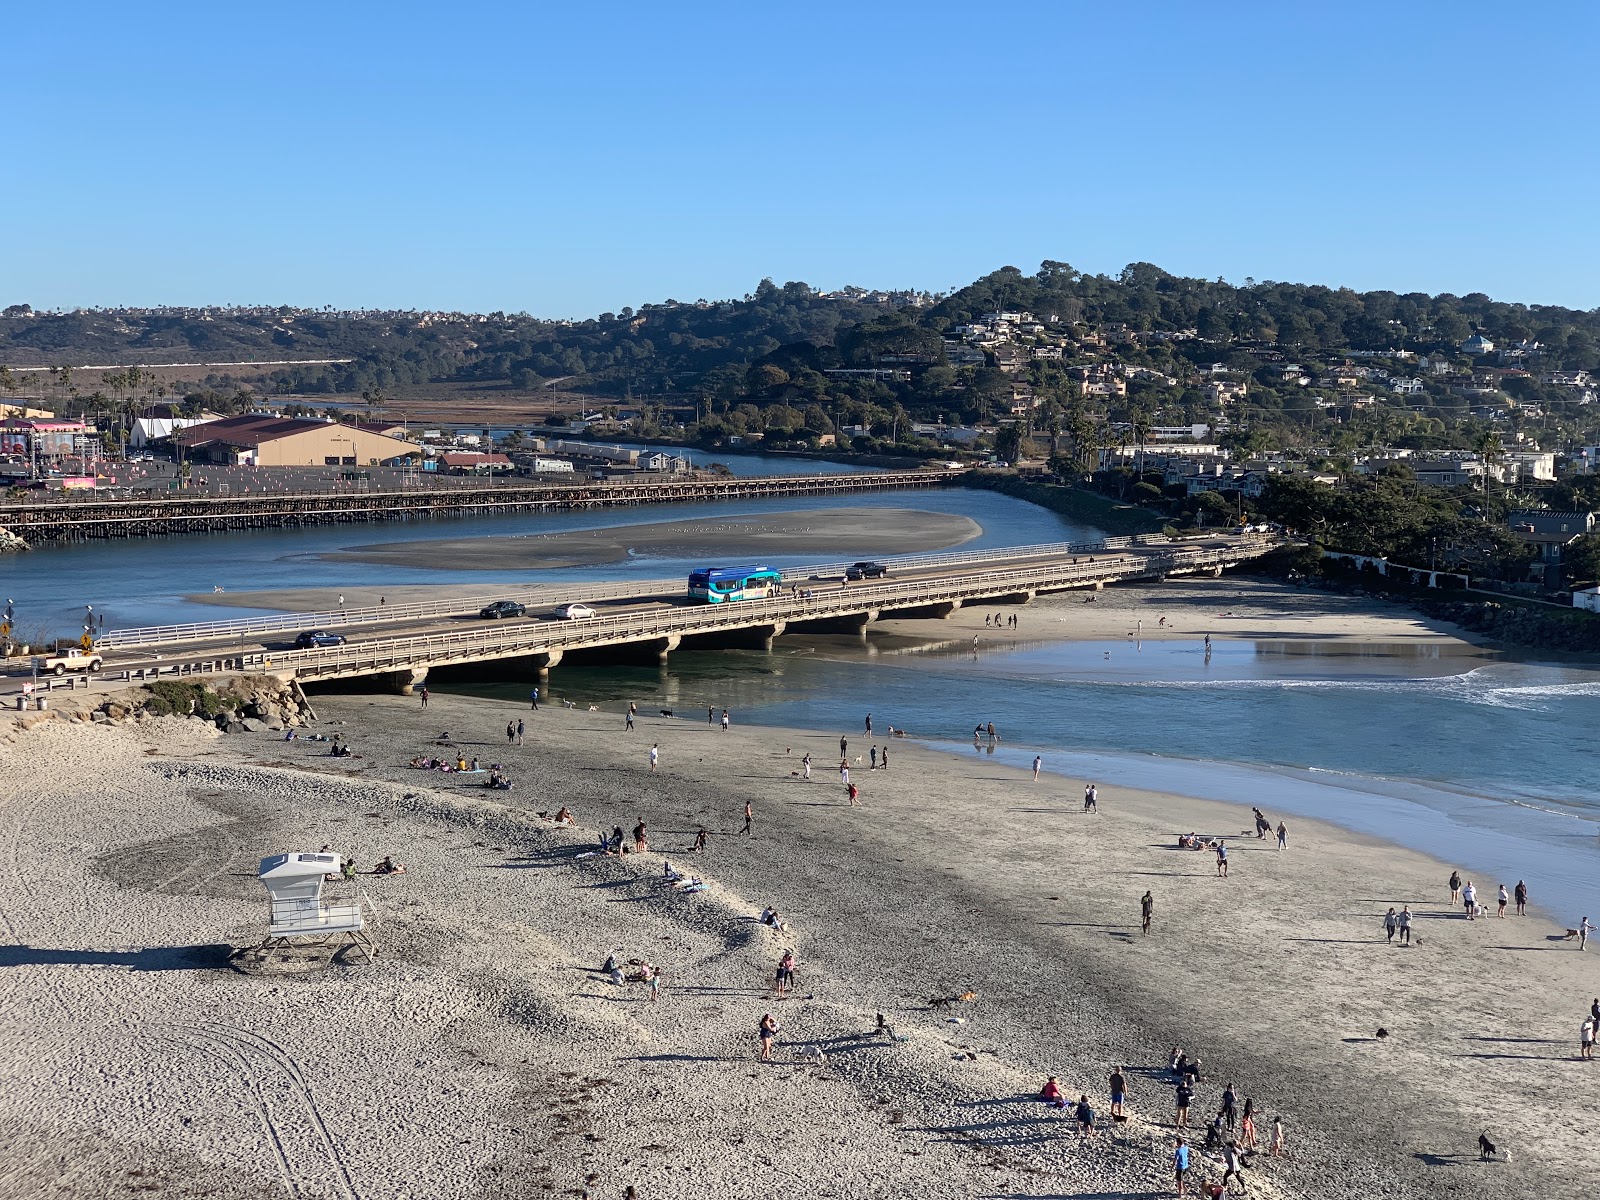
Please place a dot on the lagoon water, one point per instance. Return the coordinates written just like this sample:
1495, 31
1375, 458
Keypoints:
1464, 754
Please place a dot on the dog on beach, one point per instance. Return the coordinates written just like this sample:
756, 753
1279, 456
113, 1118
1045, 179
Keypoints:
938, 1003
570, 703
1488, 1151
812, 1055
1571, 933
666, 712
594, 708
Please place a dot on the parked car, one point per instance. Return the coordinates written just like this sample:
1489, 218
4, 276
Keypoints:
866, 570
313, 639
500, 609
574, 612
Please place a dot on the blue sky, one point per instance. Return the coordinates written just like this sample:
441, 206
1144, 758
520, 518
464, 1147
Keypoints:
569, 159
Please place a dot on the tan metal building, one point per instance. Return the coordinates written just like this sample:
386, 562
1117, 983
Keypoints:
265, 441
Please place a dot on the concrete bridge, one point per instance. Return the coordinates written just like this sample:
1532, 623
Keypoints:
650, 621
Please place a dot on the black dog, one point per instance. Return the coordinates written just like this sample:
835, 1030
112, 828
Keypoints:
1486, 1148
666, 712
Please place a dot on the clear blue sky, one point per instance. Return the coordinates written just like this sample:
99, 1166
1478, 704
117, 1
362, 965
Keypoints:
567, 159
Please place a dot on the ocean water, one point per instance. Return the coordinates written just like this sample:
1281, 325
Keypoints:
1482, 762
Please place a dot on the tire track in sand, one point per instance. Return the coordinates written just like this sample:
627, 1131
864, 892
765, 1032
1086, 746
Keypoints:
264, 1068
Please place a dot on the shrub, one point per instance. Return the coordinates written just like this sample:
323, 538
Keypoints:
170, 697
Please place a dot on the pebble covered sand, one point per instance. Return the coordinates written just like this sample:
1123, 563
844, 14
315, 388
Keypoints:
483, 1054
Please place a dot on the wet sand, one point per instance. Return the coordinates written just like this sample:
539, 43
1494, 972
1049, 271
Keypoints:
482, 1055
830, 533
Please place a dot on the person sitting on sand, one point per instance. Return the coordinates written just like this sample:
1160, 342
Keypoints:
563, 815
1050, 1093
389, 867
769, 916
347, 870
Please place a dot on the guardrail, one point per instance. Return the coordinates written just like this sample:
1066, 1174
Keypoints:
431, 649
553, 594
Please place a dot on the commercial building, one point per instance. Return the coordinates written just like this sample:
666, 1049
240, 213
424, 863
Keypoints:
264, 441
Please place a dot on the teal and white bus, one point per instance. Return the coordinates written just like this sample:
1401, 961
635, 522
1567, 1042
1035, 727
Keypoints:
717, 585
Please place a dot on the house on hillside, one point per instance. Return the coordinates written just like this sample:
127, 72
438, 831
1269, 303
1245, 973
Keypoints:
1476, 345
1551, 533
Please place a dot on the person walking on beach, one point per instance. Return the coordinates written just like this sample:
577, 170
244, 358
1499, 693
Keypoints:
844, 747
533, 699
1038, 761
1501, 901
883, 759
1403, 923
1091, 799
711, 715
1230, 1163
1455, 887
1283, 836
1182, 1097
993, 736
1180, 1164
1084, 1115
1230, 1106
511, 731
1247, 1125
1586, 1039
749, 820
1469, 901
1391, 924
521, 729
725, 721
422, 693
1119, 1091
869, 724
873, 755
854, 793
805, 767
627, 725
1275, 1146
1521, 894
1147, 905
655, 755
844, 771
1583, 932
1222, 858
767, 1031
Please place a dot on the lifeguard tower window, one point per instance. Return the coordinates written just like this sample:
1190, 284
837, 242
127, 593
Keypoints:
299, 913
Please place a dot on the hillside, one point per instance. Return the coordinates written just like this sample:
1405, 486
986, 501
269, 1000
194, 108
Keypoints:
1058, 350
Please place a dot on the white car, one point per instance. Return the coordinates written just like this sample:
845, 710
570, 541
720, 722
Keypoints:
574, 612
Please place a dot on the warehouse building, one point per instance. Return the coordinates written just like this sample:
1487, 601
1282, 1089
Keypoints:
265, 441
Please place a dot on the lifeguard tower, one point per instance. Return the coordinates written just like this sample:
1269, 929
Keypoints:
299, 913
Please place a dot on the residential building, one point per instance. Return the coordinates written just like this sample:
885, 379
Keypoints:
1477, 345
1407, 387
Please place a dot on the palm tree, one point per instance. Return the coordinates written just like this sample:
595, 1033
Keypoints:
1489, 451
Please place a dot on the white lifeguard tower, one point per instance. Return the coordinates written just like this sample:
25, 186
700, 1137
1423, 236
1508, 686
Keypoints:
294, 881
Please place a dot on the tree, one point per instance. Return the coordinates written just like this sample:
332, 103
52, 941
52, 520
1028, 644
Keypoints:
1008, 442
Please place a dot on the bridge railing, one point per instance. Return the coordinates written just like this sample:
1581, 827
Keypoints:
541, 595
525, 639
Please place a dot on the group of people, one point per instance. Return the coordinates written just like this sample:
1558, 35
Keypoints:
1000, 622
1466, 895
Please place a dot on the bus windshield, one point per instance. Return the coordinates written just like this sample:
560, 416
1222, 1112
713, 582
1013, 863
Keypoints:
716, 585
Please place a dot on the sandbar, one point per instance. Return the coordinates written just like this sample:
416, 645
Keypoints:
826, 532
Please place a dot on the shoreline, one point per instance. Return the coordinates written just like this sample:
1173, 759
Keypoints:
955, 875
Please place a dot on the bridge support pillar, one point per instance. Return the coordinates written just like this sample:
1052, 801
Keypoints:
755, 637
665, 646
404, 682
1215, 572
543, 662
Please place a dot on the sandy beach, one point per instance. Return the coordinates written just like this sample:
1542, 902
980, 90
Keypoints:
484, 1055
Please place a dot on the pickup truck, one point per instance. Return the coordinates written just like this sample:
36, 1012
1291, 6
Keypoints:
74, 659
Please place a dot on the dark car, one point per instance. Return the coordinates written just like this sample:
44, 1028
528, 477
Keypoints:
866, 570
312, 639
501, 608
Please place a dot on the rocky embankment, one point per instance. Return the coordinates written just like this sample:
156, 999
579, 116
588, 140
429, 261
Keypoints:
10, 543
244, 704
